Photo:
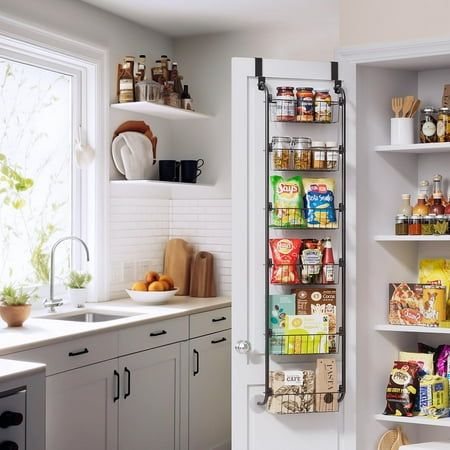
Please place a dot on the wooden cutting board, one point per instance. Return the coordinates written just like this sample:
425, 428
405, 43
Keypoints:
202, 279
177, 264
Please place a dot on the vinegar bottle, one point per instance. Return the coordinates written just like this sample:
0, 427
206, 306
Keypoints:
437, 207
328, 263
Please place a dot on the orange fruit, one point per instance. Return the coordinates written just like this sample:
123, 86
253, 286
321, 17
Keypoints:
166, 284
156, 286
167, 279
150, 277
139, 286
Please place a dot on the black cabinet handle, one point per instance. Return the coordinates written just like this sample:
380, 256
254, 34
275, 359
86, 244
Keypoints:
158, 333
219, 340
219, 320
81, 352
9, 445
117, 396
10, 419
197, 362
127, 371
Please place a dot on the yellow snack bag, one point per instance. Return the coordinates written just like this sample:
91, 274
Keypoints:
436, 270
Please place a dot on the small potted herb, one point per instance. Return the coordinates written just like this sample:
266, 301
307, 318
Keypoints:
76, 286
14, 305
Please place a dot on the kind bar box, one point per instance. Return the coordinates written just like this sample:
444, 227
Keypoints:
280, 307
319, 301
417, 304
326, 386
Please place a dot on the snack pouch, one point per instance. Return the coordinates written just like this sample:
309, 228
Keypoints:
319, 199
436, 271
434, 396
287, 202
285, 258
402, 389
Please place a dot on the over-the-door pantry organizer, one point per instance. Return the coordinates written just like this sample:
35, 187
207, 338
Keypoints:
299, 226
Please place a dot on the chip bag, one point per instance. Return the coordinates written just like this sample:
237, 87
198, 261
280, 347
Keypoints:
432, 271
285, 258
287, 201
319, 199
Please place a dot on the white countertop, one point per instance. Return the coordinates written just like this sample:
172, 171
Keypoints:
37, 332
10, 370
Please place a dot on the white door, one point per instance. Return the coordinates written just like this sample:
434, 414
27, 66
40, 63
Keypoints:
81, 411
253, 427
149, 411
210, 392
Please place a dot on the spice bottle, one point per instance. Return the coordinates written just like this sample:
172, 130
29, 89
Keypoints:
186, 100
441, 225
437, 184
437, 207
424, 188
428, 224
165, 67
406, 207
420, 209
332, 155
157, 72
415, 225
140, 74
319, 155
401, 225
328, 262
126, 80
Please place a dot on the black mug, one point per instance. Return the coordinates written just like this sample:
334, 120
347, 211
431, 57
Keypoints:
169, 170
190, 170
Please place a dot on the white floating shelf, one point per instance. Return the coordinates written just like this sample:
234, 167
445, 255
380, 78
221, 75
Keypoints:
439, 147
416, 420
422, 238
412, 329
157, 110
158, 183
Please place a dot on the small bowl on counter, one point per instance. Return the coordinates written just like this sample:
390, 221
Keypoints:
151, 297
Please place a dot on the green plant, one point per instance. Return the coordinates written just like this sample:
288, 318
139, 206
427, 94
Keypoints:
11, 296
78, 280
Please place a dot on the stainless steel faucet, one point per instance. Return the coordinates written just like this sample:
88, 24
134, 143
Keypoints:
52, 302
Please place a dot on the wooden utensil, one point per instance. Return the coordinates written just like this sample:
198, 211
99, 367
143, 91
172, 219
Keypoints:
397, 103
387, 440
414, 108
408, 102
398, 441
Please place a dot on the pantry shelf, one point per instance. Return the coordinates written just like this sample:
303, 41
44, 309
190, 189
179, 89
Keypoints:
409, 238
412, 329
158, 110
438, 147
417, 420
150, 183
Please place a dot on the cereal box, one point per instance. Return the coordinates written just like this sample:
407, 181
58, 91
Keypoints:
280, 307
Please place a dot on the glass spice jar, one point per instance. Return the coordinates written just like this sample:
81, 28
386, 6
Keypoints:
319, 161
281, 154
415, 226
305, 104
322, 106
441, 225
428, 225
447, 216
401, 225
301, 150
332, 155
443, 125
285, 104
428, 125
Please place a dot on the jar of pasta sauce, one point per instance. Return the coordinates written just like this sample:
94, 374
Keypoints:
305, 104
322, 106
285, 104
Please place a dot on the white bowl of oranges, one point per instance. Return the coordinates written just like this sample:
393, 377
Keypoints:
154, 289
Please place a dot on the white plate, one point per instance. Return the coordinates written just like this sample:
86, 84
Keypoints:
151, 296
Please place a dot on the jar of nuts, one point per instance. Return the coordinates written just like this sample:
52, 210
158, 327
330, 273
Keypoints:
301, 150
281, 153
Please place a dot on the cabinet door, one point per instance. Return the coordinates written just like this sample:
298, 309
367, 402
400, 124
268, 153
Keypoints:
210, 392
149, 412
81, 412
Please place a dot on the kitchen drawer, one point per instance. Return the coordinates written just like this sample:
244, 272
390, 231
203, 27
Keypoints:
72, 354
153, 335
209, 322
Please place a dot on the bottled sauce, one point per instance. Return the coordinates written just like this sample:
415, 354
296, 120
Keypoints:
420, 209
447, 207
126, 80
437, 207
415, 225
175, 77
328, 263
428, 126
157, 72
322, 106
424, 188
140, 76
186, 101
406, 208
285, 104
401, 225
165, 67
437, 184
305, 104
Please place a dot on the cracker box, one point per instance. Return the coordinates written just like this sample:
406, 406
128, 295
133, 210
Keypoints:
417, 304
306, 335
280, 307
311, 301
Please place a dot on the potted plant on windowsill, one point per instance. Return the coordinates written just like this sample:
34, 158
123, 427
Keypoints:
76, 287
14, 305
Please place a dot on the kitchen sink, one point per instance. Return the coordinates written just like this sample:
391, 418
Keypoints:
87, 317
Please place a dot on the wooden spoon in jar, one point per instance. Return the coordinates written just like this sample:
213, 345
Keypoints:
408, 102
414, 108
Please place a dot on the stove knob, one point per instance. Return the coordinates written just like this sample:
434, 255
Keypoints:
9, 445
10, 419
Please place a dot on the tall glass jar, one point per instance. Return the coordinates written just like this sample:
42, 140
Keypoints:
305, 104
428, 125
322, 106
319, 155
301, 152
443, 125
281, 154
285, 104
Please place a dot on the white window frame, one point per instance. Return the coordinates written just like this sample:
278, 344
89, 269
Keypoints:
87, 65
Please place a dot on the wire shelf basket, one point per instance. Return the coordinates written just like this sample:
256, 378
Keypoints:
304, 344
292, 110
304, 274
314, 159
292, 402
304, 218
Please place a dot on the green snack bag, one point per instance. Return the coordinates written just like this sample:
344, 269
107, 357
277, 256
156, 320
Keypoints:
287, 202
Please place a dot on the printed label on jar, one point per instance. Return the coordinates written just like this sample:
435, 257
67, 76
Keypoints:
429, 129
440, 128
285, 108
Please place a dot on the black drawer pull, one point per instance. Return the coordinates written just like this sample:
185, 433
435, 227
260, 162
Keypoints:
127, 371
81, 352
219, 340
197, 362
220, 319
158, 333
116, 374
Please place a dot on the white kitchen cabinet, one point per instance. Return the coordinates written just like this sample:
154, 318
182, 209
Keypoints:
149, 409
81, 411
210, 392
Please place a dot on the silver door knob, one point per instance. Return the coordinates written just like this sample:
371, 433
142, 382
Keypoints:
242, 347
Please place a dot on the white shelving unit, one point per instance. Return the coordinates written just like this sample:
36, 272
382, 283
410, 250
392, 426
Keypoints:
153, 183
409, 238
443, 147
412, 329
157, 110
416, 420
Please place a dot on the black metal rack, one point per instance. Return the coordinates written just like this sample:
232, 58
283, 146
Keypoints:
288, 343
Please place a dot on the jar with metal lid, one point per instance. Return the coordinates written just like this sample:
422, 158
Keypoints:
443, 125
428, 225
322, 106
301, 149
332, 155
447, 217
401, 225
305, 104
441, 224
415, 225
428, 125
281, 154
285, 104
319, 159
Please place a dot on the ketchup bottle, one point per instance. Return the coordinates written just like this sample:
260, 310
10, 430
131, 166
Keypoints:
328, 263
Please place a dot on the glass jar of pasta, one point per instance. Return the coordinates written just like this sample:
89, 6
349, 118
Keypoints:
301, 151
281, 153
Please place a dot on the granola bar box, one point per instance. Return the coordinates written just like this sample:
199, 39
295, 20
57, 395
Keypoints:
416, 304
